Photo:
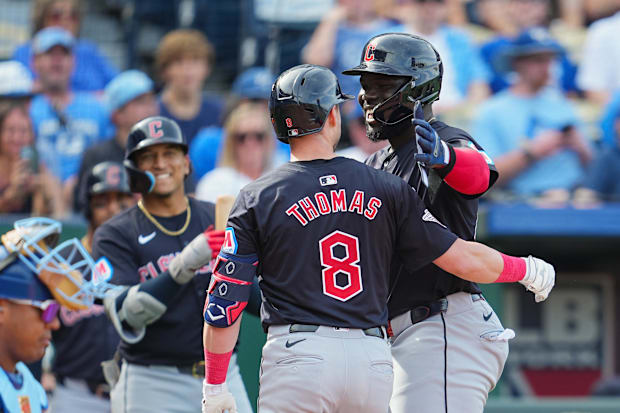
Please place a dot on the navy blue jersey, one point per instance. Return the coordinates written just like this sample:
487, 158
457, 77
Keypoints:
457, 211
84, 340
324, 232
138, 251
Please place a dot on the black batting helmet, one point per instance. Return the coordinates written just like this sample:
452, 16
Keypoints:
402, 54
103, 177
301, 99
154, 130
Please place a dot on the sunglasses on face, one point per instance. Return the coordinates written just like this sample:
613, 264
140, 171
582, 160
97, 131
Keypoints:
58, 15
241, 137
49, 308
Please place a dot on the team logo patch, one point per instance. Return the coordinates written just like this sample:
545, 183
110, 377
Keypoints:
289, 122
428, 217
230, 241
155, 129
328, 180
370, 53
103, 271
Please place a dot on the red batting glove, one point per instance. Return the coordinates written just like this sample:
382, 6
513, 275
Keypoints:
215, 239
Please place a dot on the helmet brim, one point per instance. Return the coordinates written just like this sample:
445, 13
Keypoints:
374, 67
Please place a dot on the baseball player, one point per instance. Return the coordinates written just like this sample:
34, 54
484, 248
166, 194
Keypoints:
86, 337
449, 347
157, 315
34, 281
321, 231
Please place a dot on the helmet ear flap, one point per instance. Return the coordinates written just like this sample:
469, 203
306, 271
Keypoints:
139, 181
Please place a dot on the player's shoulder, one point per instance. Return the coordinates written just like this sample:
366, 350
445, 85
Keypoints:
202, 207
450, 133
377, 158
120, 225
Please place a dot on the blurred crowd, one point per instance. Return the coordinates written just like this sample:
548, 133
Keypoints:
534, 81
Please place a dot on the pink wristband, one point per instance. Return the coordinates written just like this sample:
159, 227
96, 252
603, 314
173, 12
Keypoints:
216, 366
514, 269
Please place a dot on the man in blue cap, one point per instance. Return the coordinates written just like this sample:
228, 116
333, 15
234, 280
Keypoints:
129, 98
531, 130
65, 122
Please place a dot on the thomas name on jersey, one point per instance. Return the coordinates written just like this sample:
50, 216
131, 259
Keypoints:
311, 207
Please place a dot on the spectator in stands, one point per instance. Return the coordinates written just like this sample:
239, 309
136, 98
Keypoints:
129, 98
184, 60
531, 130
92, 70
66, 122
460, 86
86, 338
16, 83
361, 147
526, 14
247, 153
340, 36
598, 73
252, 85
602, 180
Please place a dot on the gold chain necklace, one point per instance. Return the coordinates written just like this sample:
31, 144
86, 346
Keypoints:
160, 226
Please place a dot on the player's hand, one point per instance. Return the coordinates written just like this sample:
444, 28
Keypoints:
217, 399
195, 255
434, 151
215, 239
539, 277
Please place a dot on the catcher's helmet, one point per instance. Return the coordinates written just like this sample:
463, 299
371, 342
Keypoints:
301, 99
18, 281
103, 177
154, 130
402, 54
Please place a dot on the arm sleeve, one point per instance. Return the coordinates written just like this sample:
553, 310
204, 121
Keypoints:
421, 238
470, 172
110, 243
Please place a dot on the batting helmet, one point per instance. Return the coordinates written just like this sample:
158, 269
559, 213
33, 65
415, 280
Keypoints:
154, 130
301, 99
103, 177
402, 54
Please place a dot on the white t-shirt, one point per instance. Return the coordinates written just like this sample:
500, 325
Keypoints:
600, 63
220, 181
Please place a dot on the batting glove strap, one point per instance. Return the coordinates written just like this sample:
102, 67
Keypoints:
217, 399
194, 256
539, 277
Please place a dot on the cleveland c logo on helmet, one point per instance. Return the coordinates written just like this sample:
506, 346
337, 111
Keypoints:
370, 53
155, 129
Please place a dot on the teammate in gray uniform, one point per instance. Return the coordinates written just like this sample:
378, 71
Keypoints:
449, 347
157, 315
321, 231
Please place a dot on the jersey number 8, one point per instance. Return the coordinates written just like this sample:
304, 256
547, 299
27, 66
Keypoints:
347, 265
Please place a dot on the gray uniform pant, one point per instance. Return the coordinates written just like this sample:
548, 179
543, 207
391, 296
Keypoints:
147, 389
329, 370
73, 396
449, 362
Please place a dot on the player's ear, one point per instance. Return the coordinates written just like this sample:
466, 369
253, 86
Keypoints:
334, 116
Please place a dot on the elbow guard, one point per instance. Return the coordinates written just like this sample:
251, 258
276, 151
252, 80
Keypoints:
229, 289
468, 171
136, 309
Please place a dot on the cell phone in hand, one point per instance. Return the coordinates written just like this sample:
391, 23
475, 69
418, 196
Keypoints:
29, 153
566, 129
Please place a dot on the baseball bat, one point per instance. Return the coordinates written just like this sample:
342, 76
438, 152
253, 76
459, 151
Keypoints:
223, 205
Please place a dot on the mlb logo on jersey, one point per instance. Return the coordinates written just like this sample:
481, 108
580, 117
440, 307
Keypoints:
328, 180
230, 241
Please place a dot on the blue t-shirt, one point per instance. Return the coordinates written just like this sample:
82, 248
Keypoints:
506, 119
92, 70
209, 115
611, 112
602, 176
21, 392
348, 49
62, 138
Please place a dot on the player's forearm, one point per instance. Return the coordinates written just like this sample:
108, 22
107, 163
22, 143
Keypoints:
218, 347
472, 261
